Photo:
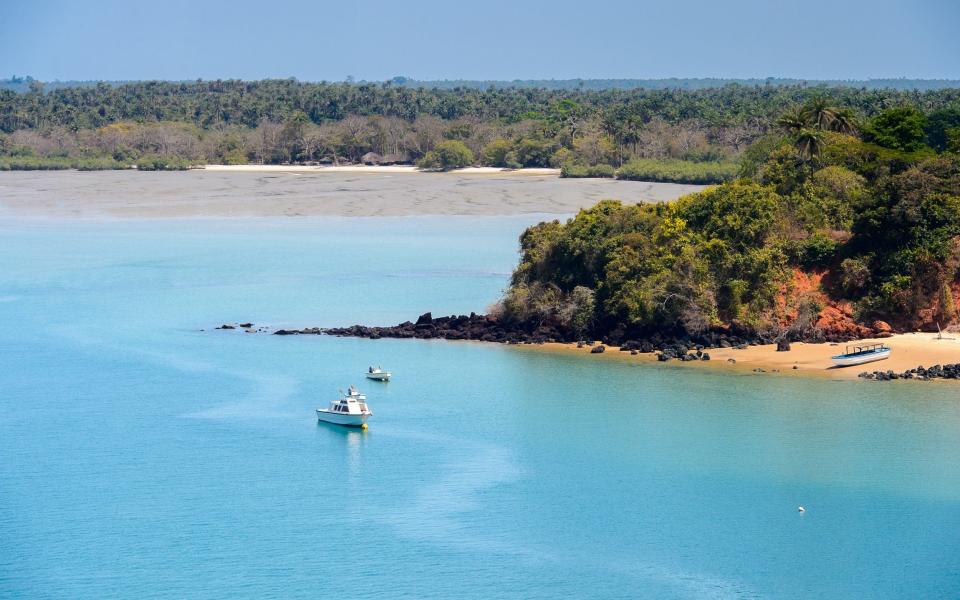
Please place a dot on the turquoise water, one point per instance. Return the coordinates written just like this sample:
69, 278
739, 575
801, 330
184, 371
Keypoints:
141, 457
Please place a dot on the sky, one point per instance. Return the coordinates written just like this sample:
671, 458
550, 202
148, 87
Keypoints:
494, 39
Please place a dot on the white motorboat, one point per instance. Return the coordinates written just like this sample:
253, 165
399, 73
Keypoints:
349, 410
378, 374
858, 355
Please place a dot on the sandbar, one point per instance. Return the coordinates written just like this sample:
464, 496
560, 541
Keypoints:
282, 191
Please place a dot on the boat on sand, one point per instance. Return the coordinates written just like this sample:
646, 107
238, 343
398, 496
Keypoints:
858, 355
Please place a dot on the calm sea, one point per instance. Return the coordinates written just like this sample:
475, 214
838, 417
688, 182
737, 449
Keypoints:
145, 455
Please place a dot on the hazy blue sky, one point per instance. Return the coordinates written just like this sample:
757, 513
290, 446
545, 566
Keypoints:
493, 39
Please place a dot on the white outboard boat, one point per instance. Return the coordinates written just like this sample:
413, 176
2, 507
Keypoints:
349, 410
858, 355
378, 374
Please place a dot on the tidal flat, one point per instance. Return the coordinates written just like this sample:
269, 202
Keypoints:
279, 193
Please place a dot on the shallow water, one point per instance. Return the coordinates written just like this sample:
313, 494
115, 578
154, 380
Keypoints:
145, 458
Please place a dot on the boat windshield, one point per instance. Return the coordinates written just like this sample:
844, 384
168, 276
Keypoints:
864, 349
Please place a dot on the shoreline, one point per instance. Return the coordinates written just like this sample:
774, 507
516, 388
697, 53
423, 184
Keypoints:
916, 355
909, 351
374, 169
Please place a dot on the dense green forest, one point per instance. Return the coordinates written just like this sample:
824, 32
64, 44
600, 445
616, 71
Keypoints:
835, 224
695, 135
23, 83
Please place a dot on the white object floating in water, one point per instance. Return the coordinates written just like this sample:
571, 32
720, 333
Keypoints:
350, 410
801, 509
378, 374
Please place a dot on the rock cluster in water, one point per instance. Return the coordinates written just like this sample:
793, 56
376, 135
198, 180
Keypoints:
487, 328
934, 372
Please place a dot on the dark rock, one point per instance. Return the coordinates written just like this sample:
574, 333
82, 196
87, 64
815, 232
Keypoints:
246, 325
225, 326
285, 332
633, 353
425, 319
783, 346
704, 356
598, 349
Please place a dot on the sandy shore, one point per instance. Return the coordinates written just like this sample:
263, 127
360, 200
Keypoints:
277, 191
373, 169
909, 351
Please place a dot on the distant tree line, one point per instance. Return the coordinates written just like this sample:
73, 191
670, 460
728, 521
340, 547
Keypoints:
691, 135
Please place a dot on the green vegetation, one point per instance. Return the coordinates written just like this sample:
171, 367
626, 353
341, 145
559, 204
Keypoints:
575, 170
690, 134
34, 163
875, 218
449, 154
678, 171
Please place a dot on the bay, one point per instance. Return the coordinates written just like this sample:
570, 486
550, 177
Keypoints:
145, 455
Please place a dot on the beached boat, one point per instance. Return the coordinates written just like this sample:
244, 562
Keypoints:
858, 355
349, 409
378, 374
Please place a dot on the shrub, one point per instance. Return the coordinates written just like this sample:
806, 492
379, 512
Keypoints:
817, 251
678, 171
534, 153
162, 163
495, 153
854, 274
575, 171
449, 154
898, 129
37, 163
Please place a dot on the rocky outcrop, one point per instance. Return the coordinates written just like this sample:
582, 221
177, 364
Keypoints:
950, 371
836, 324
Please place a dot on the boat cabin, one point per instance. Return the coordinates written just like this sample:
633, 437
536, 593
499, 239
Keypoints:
858, 350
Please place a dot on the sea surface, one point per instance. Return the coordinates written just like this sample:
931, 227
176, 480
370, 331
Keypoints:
144, 454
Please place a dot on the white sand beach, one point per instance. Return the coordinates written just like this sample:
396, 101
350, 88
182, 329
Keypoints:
909, 350
373, 169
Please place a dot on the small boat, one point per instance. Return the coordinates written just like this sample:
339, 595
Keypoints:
858, 355
349, 409
378, 374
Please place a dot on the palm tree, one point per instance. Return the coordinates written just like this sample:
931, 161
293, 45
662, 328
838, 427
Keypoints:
794, 120
809, 141
820, 112
844, 121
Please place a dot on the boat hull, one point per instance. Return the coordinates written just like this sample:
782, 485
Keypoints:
379, 376
850, 361
344, 419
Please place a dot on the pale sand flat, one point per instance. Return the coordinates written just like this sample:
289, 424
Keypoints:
274, 191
